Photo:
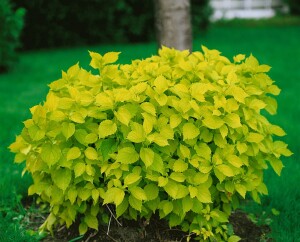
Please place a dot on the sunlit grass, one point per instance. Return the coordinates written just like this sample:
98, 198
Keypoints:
278, 47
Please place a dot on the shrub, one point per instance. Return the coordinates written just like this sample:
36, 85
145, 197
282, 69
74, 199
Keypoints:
11, 24
120, 21
294, 6
177, 134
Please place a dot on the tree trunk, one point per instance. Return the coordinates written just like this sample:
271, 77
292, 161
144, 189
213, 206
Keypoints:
173, 24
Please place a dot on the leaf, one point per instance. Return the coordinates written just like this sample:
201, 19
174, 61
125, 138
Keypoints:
138, 193
175, 120
50, 154
274, 129
121, 208
79, 169
158, 164
131, 178
276, 165
167, 208
149, 108
147, 156
180, 166
110, 57
123, 115
36, 133
226, 170
73, 153
233, 120
235, 160
135, 203
127, 155
107, 147
254, 137
91, 221
114, 195
203, 194
239, 58
241, 189
176, 190
137, 135
219, 216
234, 238
83, 228
190, 131
106, 128
213, 122
72, 195
161, 84
238, 93
151, 191
91, 153
187, 204
62, 178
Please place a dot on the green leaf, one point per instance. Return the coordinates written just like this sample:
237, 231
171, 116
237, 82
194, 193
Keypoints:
36, 133
121, 208
73, 153
219, 216
83, 228
131, 178
107, 128
167, 207
147, 156
276, 165
72, 195
135, 203
234, 238
190, 131
91, 221
50, 154
187, 204
127, 155
62, 178
158, 164
107, 147
138, 193
151, 191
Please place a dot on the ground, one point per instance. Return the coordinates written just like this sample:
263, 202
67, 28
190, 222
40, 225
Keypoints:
156, 231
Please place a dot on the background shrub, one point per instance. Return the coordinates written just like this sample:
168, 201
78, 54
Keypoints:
62, 23
178, 134
11, 24
294, 6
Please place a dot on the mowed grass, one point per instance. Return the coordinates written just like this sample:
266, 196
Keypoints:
278, 47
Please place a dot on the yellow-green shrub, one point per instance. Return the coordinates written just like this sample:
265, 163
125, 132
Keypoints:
179, 134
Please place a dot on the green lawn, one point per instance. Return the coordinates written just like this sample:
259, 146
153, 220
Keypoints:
278, 47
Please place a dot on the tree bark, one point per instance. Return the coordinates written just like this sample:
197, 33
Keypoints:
173, 24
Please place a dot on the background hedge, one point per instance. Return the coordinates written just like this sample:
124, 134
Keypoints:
63, 23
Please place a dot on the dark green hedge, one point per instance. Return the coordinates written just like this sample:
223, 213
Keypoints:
79, 22
11, 24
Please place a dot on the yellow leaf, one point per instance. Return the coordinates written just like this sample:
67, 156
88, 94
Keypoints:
107, 128
254, 137
127, 155
149, 108
147, 156
91, 153
123, 115
175, 120
226, 170
239, 58
73, 153
137, 135
161, 84
190, 131
233, 120
110, 57
213, 122
238, 93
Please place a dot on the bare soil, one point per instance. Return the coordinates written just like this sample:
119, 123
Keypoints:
156, 231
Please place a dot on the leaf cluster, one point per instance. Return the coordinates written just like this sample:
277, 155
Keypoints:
179, 134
